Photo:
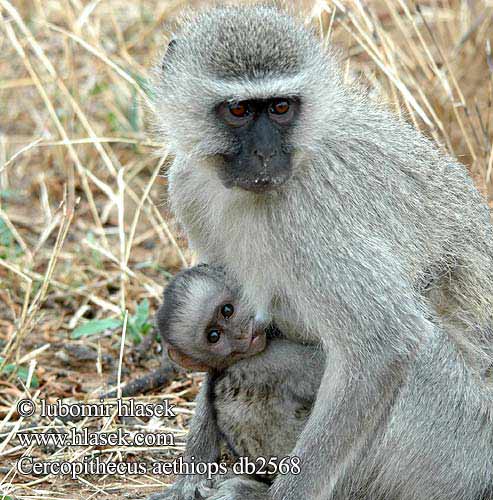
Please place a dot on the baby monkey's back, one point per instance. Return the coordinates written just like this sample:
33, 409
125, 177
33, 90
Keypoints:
262, 403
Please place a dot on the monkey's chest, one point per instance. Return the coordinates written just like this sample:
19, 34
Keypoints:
260, 420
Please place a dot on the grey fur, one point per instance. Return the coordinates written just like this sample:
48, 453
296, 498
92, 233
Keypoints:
262, 403
239, 487
257, 406
379, 246
203, 443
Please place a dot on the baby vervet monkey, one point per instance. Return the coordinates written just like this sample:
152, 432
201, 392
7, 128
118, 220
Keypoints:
259, 387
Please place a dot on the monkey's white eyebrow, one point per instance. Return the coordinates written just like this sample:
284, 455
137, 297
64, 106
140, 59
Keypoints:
246, 89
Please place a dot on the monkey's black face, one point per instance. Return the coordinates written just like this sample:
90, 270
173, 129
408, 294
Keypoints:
260, 128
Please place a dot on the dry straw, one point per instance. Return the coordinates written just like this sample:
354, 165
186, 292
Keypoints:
85, 233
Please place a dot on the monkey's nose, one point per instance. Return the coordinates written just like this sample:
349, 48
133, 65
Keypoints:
264, 154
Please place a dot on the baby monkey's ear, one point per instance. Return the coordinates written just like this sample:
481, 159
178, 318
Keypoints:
186, 362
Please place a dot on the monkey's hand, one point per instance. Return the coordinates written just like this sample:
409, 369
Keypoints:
237, 488
185, 488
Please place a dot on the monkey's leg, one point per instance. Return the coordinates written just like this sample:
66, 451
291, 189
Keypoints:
203, 444
236, 488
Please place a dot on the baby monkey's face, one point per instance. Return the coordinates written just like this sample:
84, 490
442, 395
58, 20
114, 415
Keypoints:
214, 329
231, 334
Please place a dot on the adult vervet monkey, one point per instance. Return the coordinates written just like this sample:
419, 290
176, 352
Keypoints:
346, 226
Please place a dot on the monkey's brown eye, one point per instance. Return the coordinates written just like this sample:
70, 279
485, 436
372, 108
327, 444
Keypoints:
227, 310
280, 107
213, 336
239, 109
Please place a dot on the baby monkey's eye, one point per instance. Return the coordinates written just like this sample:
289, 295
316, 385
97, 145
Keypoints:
213, 336
227, 310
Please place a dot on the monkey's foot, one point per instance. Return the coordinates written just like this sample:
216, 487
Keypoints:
184, 489
237, 488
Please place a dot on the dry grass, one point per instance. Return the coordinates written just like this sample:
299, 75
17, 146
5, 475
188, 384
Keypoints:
84, 231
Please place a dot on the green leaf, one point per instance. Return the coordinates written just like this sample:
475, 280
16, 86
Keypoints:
138, 324
146, 328
95, 326
133, 114
133, 332
143, 82
6, 237
21, 371
8, 194
113, 121
141, 314
98, 88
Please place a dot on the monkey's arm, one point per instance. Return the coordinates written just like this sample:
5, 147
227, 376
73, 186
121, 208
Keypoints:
203, 443
298, 366
302, 367
203, 438
370, 324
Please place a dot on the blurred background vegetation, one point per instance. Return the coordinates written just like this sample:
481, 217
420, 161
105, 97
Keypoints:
86, 240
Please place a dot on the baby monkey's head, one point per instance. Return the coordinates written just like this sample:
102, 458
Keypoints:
204, 324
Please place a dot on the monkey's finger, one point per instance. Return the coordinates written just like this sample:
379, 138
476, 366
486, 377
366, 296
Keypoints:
203, 492
163, 495
198, 495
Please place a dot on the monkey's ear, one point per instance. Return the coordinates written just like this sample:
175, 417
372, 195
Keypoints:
186, 362
171, 46
169, 52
